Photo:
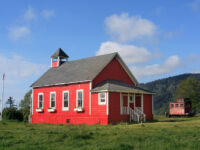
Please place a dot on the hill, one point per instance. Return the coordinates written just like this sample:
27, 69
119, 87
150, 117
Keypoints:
165, 90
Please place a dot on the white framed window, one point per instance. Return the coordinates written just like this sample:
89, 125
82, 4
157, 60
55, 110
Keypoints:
102, 98
79, 98
52, 99
40, 100
65, 100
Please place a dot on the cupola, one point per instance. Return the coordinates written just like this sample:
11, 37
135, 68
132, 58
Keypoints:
58, 58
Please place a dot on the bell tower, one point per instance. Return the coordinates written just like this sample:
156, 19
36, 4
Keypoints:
58, 58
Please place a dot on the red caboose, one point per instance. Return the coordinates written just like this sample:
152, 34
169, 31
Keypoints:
183, 107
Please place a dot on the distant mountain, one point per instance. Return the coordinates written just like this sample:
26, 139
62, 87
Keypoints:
165, 90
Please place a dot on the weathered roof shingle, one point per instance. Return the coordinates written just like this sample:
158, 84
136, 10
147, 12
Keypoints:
118, 86
74, 71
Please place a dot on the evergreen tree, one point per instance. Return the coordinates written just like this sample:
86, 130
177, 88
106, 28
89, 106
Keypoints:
11, 102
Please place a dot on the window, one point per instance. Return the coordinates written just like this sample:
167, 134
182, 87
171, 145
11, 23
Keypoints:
172, 105
176, 105
40, 100
102, 98
79, 98
65, 100
182, 105
53, 99
131, 98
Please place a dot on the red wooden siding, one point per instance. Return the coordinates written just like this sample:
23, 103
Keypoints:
60, 116
114, 71
99, 112
114, 109
147, 103
138, 100
54, 64
177, 109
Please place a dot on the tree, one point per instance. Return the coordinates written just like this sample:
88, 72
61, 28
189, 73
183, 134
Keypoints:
11, 102
25, 105
190, 88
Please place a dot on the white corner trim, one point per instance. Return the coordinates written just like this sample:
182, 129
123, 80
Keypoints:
152, 105
50, 99
32, 100
107, 95
142, 103
65, 108
90, 97
134, 100
121, 103
51, 62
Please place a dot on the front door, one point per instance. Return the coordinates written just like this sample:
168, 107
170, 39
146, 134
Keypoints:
125, 100
131, 101
138, 100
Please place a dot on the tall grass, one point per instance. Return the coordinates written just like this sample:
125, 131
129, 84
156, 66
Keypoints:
162, 134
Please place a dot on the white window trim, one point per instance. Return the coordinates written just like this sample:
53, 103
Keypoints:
50, 99
99, 101
42, 100
65, 108
81, 90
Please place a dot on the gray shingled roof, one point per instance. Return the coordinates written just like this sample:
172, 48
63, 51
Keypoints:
74, 71
118, 86
59, 53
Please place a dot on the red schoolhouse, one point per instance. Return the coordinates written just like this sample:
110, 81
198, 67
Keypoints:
95, 90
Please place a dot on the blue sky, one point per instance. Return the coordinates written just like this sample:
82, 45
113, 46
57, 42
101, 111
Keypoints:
155, 38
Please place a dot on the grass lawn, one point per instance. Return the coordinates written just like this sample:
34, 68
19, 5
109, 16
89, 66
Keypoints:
163, 134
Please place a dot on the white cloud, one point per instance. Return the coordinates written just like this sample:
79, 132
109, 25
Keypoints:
131, 54
19, 74
30, 14
195, 5
17, 66
16, 33
126, 28
47, 13
169, 66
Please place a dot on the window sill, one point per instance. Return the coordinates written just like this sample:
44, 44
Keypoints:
39, 110
102, 103
65, 109
52, 110
79, 109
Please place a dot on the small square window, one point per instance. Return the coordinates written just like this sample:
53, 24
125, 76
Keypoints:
172, 105
176, 105
131, 98
182, 105
102, 98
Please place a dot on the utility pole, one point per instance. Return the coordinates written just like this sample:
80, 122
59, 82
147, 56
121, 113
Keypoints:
3, 78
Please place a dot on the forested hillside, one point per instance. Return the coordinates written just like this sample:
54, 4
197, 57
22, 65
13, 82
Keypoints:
165, 90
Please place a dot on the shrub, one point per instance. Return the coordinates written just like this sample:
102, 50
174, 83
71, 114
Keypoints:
12, 114
25, 112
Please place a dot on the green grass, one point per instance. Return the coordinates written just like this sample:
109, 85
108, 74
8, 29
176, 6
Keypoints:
163, 134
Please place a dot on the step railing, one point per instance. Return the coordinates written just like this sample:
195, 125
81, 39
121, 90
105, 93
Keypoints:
125, 110
137, 115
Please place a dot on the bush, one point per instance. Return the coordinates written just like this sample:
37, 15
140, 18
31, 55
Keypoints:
25, 112
12, 114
